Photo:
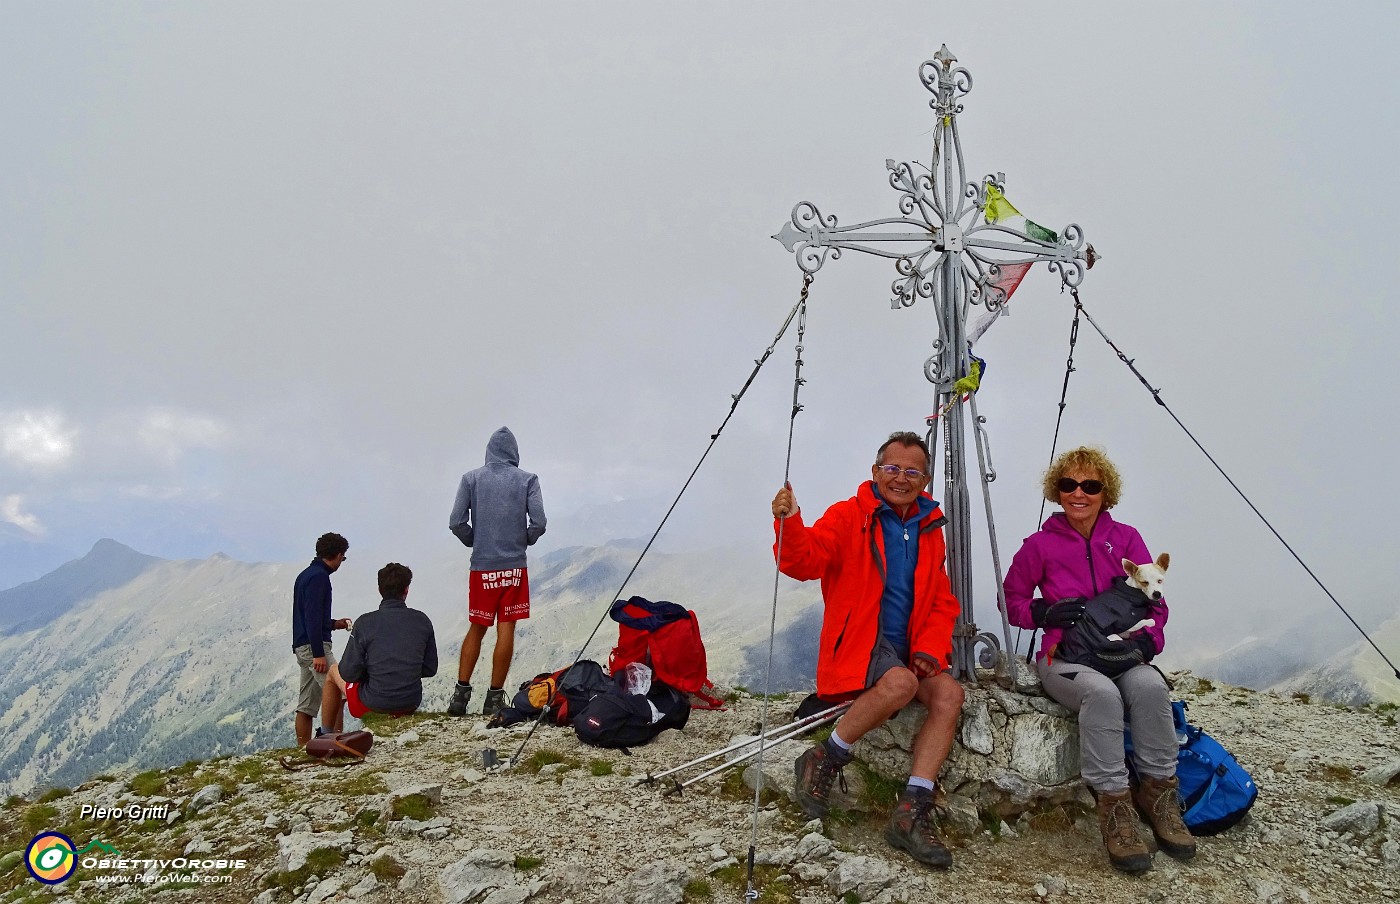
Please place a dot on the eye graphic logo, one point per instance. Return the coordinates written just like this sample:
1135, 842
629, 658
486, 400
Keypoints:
50, 857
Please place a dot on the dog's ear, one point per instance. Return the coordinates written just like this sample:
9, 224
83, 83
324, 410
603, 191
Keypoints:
1163, 560
1130, 567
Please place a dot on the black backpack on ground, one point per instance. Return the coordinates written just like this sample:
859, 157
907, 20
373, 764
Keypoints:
571, 688
625, 720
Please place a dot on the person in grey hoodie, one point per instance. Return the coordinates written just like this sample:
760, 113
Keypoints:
498, 513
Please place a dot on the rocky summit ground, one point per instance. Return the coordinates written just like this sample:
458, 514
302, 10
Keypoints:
423, 822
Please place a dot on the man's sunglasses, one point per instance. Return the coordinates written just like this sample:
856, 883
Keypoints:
1069, 485
896, 470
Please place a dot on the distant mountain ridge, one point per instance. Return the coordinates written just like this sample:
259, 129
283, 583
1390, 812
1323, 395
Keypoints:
107, 565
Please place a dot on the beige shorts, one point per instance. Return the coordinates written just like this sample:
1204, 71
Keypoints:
312, 681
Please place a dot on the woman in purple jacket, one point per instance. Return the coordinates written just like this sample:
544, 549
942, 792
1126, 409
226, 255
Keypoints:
1074, 556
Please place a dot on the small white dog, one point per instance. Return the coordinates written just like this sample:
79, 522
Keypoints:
1148, 578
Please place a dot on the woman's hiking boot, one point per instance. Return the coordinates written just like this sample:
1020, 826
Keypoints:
495, 701
912, 829
460, 695
1118, 821
1159, 799
815, 771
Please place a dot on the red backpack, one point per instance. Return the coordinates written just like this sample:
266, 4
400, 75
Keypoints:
666, 637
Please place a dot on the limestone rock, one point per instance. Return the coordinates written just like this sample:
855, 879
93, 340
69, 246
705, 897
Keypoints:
976, 731
366, 885
866, 876
324, 891
1362, 818
432, 793
1044, 749
1390, 856
813, 846
511, 894
476, 875
205, 798
293, 849
435, 829
198, 845
659, 882
1383, 774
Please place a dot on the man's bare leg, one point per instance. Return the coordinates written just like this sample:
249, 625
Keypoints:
303, 728
816, 769
913, 827
471, 652
505, 649
332, 701
872, 708
942, 696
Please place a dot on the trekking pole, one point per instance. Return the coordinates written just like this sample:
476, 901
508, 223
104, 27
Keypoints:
750, 892
759, 745
805, 722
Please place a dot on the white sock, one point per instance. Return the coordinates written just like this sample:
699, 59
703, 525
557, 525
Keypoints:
916, 782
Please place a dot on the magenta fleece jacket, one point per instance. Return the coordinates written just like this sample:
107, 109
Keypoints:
1059, 562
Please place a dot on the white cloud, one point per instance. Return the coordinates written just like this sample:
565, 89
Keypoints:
12, 510
170, 434
39, 439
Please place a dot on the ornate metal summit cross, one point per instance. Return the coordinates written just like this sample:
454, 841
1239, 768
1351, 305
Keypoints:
942, 252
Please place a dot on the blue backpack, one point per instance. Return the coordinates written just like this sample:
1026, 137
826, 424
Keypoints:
1216, 792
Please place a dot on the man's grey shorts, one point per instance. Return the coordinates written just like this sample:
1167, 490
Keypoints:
884, 658
312, 681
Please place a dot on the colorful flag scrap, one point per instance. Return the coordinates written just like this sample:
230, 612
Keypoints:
1001, 212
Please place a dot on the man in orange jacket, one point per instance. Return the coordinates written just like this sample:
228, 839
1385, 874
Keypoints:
887, 630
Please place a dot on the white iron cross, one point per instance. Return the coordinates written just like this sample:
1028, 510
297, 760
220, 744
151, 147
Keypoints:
955, 242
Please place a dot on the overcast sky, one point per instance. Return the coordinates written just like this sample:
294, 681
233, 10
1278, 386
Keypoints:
269, 270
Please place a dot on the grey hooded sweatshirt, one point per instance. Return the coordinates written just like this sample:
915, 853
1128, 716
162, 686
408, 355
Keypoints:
499, 509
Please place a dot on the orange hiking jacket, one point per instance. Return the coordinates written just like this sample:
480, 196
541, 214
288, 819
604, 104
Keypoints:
846, 550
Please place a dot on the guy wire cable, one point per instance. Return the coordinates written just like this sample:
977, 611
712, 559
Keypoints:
1055, 441
714, 437
751, 893
1157, 397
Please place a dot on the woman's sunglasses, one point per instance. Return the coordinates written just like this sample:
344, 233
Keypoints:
1069, 485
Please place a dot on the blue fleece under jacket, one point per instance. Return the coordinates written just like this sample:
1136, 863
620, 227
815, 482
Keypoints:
901, 555
499, 510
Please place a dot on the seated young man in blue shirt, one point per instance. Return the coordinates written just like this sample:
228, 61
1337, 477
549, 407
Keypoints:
390, 651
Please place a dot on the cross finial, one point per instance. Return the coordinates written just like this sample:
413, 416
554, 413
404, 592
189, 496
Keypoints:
944, 57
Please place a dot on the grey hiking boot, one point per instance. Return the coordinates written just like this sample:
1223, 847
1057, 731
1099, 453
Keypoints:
816, 770
912, 829
460, 695
495, 701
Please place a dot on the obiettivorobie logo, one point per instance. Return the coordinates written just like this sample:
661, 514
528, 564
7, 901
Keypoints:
51, 856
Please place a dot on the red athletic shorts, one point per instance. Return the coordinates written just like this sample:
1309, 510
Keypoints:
498, 596
352, 700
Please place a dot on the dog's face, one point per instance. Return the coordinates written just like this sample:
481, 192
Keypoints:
1148, 578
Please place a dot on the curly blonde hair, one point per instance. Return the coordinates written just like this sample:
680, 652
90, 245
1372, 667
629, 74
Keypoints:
1084, 458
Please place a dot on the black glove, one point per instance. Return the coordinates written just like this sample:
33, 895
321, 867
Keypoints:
1060, 614
1142, 641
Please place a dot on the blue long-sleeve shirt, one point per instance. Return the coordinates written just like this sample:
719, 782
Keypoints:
311, 608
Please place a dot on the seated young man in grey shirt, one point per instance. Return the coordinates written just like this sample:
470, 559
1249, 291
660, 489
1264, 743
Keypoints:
390, 651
